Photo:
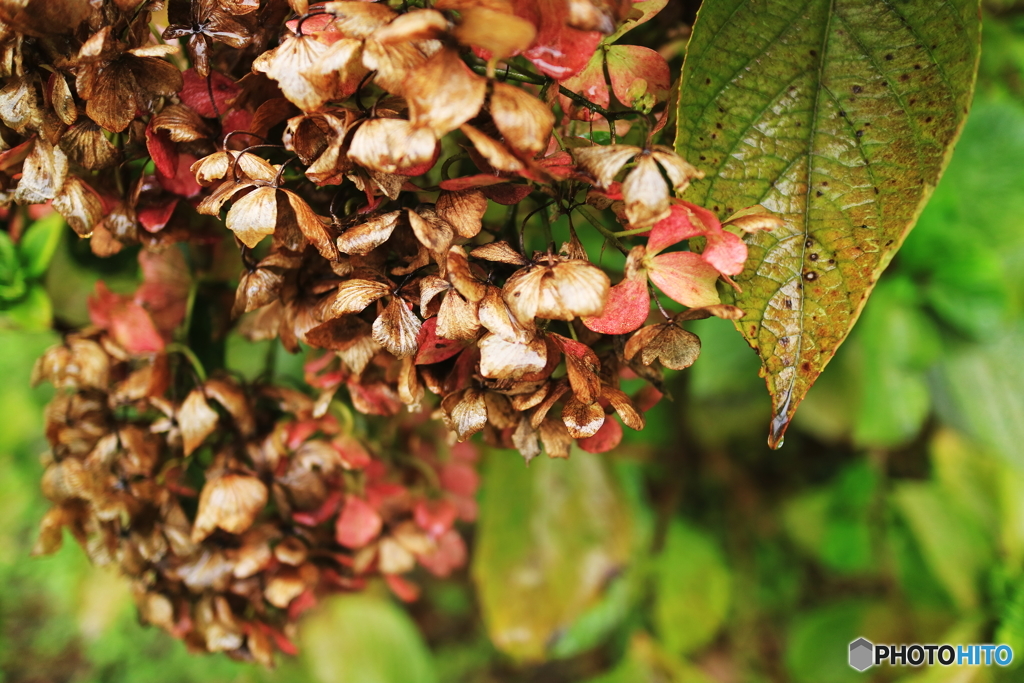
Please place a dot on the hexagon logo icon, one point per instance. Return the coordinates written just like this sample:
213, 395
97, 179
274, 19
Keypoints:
861, 654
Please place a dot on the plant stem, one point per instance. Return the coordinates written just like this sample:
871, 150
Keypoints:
176, 347
608, 234
630, 233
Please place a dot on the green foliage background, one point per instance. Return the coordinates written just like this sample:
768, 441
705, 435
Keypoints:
895, 510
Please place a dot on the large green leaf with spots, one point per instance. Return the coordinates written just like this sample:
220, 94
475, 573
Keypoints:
839, 115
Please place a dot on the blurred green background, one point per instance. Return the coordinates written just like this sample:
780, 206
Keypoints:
692, 553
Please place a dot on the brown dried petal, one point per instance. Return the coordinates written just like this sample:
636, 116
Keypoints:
390, 145
431, 231
230, 502
227, 393
523, 120
364, 238
463, 210
254, 216
624, 407
397, 329
443, 93
555, 437
500, 252
501, 359
582, 420
79, 205
457, 318
668, 343
501, 33
430, 287
182, 123
494, 314
352, 296
605, 161
88, 147
524, 438
496, 154
417, 24
462, 278
465, 412
287, 64
563, 291
42, 173
196, 419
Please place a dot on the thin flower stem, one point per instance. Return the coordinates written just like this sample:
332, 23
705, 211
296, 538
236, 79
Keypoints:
608, 234
522, 230
572, 331
193, 359
451, 160
631, 233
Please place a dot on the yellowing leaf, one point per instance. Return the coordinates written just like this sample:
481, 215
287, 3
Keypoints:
549, 538
838, 117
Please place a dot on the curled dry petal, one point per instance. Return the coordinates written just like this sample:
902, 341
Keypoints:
431, 231
582, 368
495, 315
605, 161
502, 359
499, 33
227, 393
523, 120
679, 171
524, 438
364, 238
352, 296
196, 419
288, 63
645, 193
582, 419
463, 210
555, 437
496, 154
462, 277
230, 502
457, 318
254, 216
623, 406
390, 145
668, 343
397, 328
465, 412
561, 291
500, 252
418, 24
443, 93
79, 205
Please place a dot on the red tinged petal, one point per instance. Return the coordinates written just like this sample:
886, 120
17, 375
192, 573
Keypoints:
154, 218
725, 251
592, 85
640, 76
559, 51
467, 182
507, 194
607, 438
182, 182
358, 523
128, 322
434, 349
435, 516
628, 305
459, 478
450, 554
679, 225
195, 93
161, 150
404, 590
323, 513
686, 278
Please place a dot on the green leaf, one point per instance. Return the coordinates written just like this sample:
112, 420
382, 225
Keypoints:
951, 542
898, 345
818, 640
693, 590
39, 243
838, 115
549, 539
34, 313
364, 639
12, 277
